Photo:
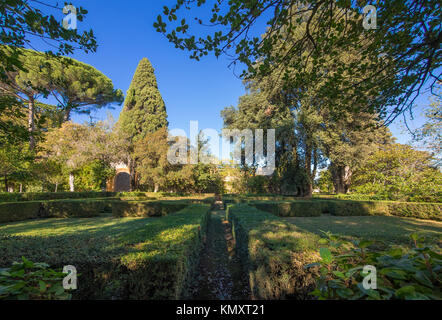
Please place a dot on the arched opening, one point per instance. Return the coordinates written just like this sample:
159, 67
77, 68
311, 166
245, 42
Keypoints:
122, 182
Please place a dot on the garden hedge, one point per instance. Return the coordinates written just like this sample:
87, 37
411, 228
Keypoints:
135, 195
317, 206
273, 253
299, 208
137, 259
17, 211
419, 210
41, 196
146, 208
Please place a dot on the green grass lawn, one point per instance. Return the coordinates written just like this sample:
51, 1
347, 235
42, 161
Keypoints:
388, 229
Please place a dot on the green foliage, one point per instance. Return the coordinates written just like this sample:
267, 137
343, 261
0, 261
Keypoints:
431, 211
146, 209
384, 229
17, 211
31, 281
399, 172
273, 253
406, 38
35, 196
93, 176
411, 274
144, 109
126, 258
298, 208
325, 182
430, 134
23, 22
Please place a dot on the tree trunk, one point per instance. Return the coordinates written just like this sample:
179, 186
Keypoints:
71, 182
308, 169
67, 114
6, 183
341, 176
21, 187
56, 187
156, 187
31, 123
133, 178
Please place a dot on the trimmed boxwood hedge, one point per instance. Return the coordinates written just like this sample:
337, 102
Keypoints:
18, 211
41, 196
124, 259
24, 210
419, 210
146, 208
299, 208
273, 253
317, 206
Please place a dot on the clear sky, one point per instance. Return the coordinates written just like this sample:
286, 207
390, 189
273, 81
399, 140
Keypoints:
191, 90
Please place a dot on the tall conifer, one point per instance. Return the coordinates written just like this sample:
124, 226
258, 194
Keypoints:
144, 109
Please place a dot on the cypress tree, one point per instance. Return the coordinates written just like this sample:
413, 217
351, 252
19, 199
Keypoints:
144, 109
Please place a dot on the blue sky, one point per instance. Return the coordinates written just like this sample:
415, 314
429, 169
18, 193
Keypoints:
191, 90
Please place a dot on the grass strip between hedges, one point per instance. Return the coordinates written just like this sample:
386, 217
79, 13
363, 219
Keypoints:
273, 252
130, 258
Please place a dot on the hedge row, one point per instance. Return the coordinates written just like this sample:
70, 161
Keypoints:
419, 210
146, 208
128, 259
136, 195
39, 196
313, 208
273, 253
291, 209
17, 211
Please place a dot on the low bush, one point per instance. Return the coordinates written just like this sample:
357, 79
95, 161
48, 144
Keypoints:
273, 253
27, 280
291, 209
127, 258
18, 211
41, 196
419, 210
146, 208
72, 208
401, 273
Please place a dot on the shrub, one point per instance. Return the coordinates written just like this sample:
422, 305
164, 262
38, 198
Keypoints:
72, 208
16, 211
32, 281
291, 209
165, 265
41, 196
401, 209
122, 258
146, 208
410, 273
273, 253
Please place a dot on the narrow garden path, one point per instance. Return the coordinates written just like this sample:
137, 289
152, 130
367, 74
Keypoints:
220, 275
